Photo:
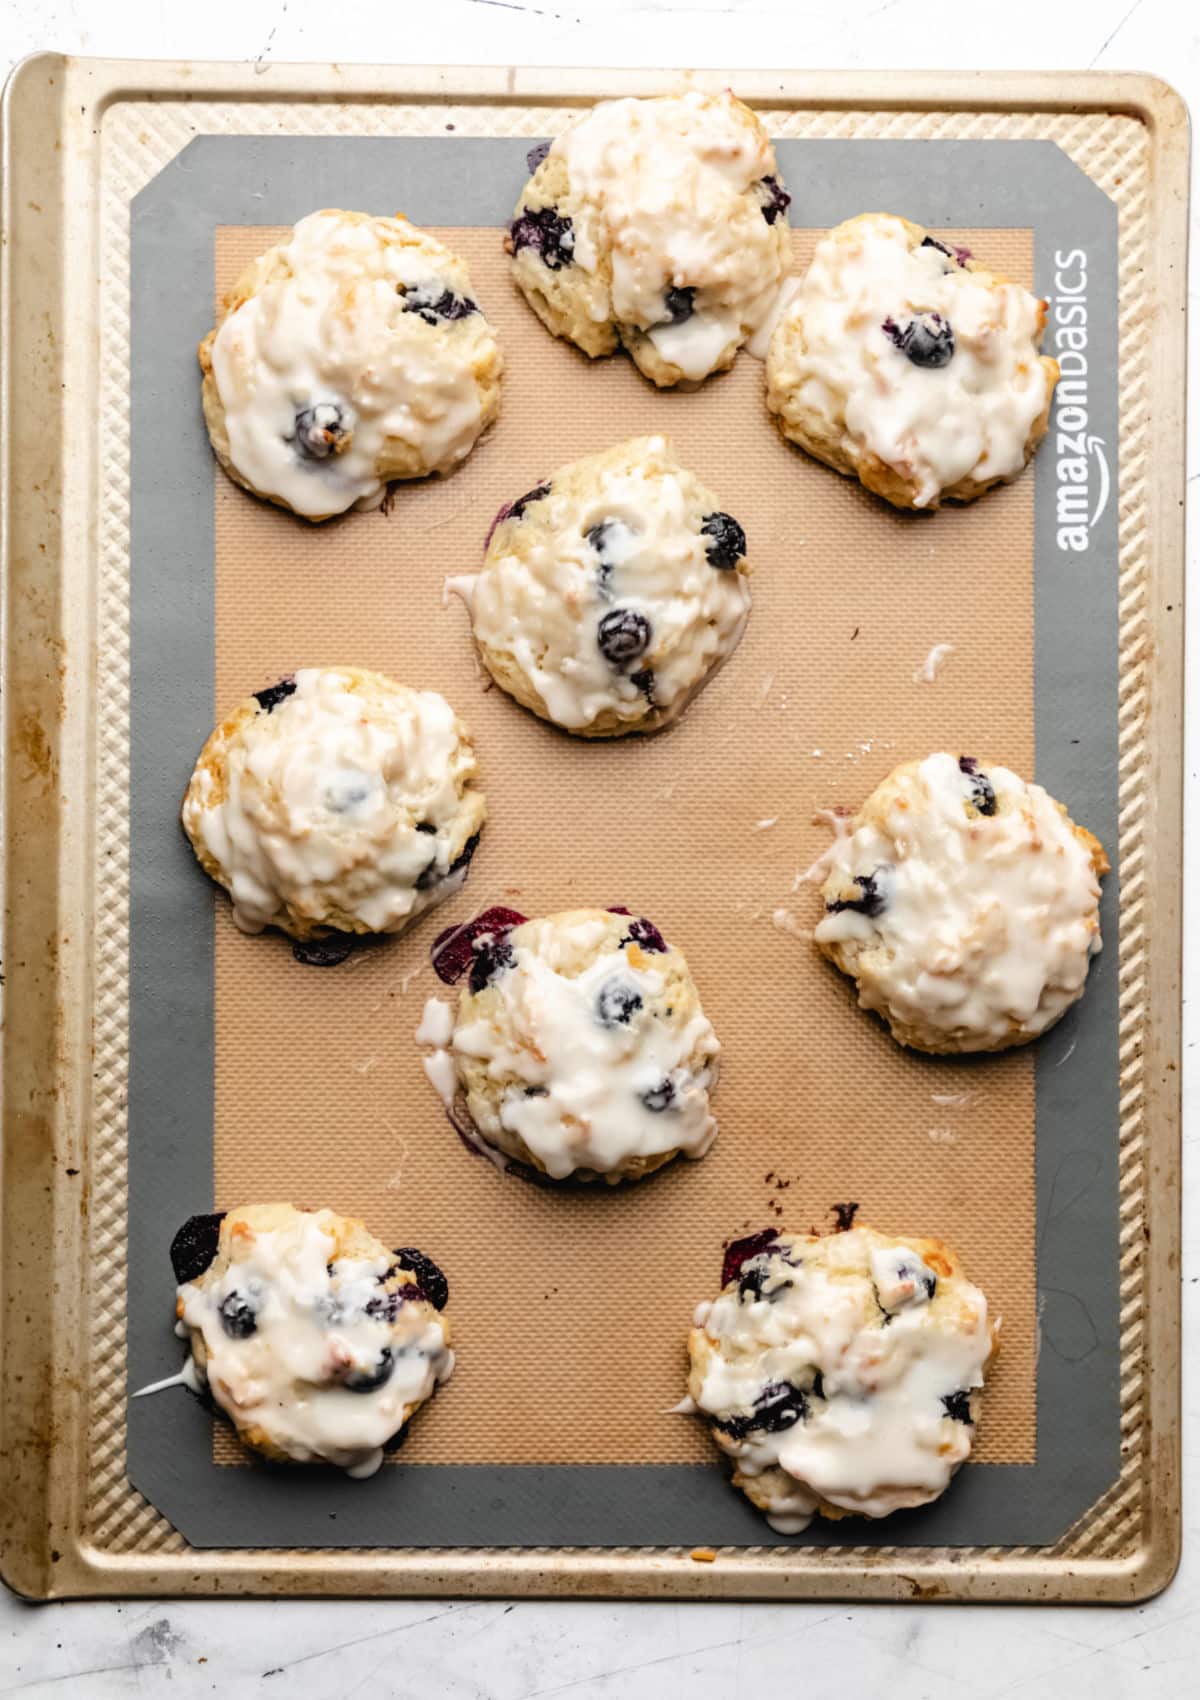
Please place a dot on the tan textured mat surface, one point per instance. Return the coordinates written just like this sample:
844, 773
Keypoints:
570, 1310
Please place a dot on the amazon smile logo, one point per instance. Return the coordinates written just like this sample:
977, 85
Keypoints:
1082, 473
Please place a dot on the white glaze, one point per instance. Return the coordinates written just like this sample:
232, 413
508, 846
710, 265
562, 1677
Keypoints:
969, 418
666, 188
539, 597
322, 799
311, 1329
437, 1023
187, 1377
879, 1438
928, 671
332, 329
988, 921
587, 1110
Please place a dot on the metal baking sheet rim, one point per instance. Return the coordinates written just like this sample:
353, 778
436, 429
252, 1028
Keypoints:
51, 163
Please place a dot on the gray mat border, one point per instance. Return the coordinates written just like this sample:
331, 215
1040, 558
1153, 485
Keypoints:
276, 180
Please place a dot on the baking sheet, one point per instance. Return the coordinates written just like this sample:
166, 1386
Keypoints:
848, 598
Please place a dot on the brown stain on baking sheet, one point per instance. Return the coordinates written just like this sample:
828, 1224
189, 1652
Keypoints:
570, 1310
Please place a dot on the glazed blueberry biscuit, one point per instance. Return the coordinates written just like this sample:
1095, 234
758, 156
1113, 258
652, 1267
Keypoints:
580, 1045
910, 365
841, 1373
336, 801
611, 592
316, 1341
965, 904
655, 225
352, 354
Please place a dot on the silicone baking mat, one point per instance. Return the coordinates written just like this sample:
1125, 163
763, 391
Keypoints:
570, 1309
155, 1062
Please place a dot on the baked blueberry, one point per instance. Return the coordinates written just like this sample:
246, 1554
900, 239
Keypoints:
680, 304
435, 306
871, 901
740, 1251
273, 695
432, 1283
776, 199
517, 508
545, 231
959, 256
195, 1246
643, 680
958, 1406
617, 1002
454, 949
367, 1380
623, 634
430, 875
659, 1097
927, 340
645, 934
844, 1215
238, 1317
536, 155
326, 952
320, 430
779, 1406
491, 959
726, 541
983, 792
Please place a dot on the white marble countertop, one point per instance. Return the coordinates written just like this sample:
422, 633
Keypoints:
438, 1650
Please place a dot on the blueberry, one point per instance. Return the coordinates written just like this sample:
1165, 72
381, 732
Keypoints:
623, 634
983, 792
871, 903
779, 1406
817, 1390
324, 953
536, 155
367, 1380
644, 682
756, 1271
726, 541
598, 535
430, 874
435, 306
463, 859
617, 1002
680, 305
959, 256
844, 1215
195, 1246
646, 934
547, 233
238, 1317
432, 1283
517, 508
490, 960
777, 198
454, 951
927, 340
319, 430
275, 694
659, 1097
958, 1406
740, 1251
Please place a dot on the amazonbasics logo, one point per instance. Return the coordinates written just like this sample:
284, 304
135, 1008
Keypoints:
1083, 478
